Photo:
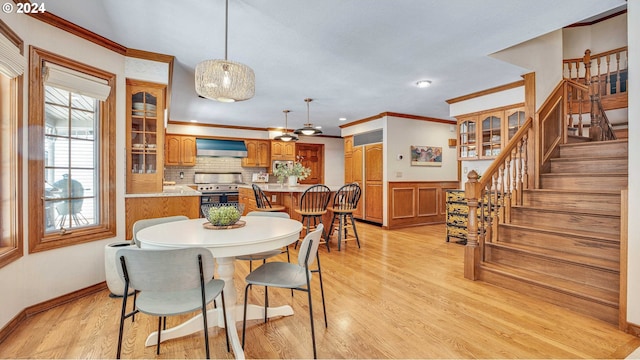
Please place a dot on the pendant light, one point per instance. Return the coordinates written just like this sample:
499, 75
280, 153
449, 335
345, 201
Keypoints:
285, 133
308, 128
224, 80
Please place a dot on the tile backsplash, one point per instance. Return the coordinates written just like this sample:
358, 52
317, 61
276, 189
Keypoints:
210, 164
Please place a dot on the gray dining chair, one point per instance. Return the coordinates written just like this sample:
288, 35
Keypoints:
290, 276
170, 282
265, 254
145, 223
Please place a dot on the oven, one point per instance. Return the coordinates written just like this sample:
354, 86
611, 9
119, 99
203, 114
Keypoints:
218, 188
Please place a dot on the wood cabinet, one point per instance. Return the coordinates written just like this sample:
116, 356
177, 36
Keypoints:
282, 150
137, 208
248, 198
373, 182
144, 136
348, 159
258, 153
180, 150
483, 135
311, 156
358, 177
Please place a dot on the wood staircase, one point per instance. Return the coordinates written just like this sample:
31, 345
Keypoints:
562, 242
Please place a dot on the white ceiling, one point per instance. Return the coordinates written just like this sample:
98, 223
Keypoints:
355, 58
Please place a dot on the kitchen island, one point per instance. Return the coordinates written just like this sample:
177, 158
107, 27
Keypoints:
173, 200
288, 196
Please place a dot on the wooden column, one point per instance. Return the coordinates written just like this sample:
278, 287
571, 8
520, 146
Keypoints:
472, 249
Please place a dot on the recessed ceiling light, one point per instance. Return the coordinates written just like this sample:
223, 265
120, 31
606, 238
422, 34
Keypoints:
423, 83
194, 121
343, 119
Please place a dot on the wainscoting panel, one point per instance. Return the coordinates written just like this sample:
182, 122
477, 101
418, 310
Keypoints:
417, 203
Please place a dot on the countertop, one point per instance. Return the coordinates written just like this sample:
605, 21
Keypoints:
271, 187
173, 190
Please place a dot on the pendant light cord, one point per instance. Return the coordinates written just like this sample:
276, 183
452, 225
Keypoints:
226, 27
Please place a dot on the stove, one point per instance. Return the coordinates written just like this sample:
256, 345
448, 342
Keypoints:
218, 188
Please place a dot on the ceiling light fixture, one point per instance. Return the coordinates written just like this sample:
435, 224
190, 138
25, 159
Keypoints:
285, 136
423, 83
224, 80
308, 128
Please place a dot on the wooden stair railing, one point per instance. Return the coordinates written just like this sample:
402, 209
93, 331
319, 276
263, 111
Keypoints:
500, 187
600, 129
607, 71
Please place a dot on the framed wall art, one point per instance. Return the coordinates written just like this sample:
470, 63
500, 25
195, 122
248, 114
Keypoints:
426, 156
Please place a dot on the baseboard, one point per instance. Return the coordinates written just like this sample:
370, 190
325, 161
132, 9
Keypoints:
632, 329
46, 305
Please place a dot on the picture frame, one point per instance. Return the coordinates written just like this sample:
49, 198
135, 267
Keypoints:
426, 155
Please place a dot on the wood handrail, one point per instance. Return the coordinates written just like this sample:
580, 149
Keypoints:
576, 84
502, 157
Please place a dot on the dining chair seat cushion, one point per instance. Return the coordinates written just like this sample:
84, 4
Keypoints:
161, 303
310, 212
260, 256
341, 210
278, 274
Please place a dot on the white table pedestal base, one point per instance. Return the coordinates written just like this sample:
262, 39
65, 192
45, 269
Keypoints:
235, 313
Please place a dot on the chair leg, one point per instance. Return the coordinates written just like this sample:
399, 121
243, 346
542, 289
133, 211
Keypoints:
324, 308
330, 231
340, 229
313, 331
244, 318
206, 329
224, 315
355, 231
266, 302
159, 330
122, 317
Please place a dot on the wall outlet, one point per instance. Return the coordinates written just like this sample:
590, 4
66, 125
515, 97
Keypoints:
398, 174
274, 198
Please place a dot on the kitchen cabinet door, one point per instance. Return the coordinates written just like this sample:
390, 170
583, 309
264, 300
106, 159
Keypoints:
281, 150
373, 182
180, 150
357, 159
145, 136
258, 153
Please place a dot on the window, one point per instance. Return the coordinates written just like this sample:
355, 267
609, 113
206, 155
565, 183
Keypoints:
71, 152
12, 64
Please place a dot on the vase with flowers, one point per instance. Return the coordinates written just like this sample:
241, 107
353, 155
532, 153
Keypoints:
292, 173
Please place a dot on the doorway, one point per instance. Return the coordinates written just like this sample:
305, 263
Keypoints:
312, 157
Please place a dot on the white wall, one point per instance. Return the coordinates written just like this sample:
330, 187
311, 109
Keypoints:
603, 36
402, 133
633, 259
543, 55
39, 277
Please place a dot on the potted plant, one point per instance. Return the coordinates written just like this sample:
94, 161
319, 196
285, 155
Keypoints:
293, 173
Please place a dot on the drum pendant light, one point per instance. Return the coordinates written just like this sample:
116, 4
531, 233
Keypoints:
224, 80
308, 128
285, 132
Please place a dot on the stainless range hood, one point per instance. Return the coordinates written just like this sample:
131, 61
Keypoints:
221, 148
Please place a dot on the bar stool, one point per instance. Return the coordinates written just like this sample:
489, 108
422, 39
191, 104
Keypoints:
313, 204
345, 202
262, 202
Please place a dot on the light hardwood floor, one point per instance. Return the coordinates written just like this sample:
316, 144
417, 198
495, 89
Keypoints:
402, 295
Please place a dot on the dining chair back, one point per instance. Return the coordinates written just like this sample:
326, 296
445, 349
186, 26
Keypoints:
290, 276
262, 201
313, 205
170, 282
145, 223
345, 202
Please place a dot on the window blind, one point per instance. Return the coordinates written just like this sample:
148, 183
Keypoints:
12, 63
75, 81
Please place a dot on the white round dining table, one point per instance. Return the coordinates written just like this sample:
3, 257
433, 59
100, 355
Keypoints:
260, 233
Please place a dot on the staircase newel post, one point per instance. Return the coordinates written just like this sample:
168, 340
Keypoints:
472, 249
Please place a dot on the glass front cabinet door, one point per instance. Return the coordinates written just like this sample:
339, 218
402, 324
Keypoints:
467, 137
145, 137
491, 134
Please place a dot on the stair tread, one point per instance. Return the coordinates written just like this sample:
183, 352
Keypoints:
564, 231
590, 261
576, 191
594, 174
563, 211
587, 158
593, 293
594, 143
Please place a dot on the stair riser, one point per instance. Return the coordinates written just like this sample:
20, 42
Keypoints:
590, 166
583, 222
584, 306
613, 148
586, 182
607, 204
572, 244
571, 271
